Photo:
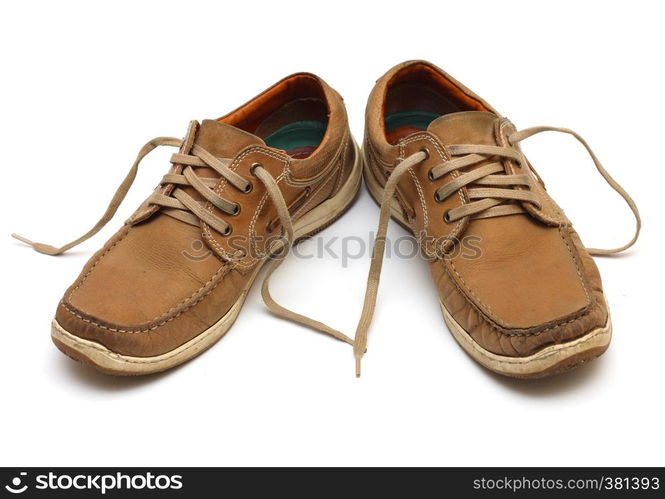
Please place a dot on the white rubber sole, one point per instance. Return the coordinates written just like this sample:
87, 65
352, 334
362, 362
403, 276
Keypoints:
100, 357
550, 360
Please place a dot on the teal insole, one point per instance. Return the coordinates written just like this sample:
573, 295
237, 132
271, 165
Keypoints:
415, 118
297, 134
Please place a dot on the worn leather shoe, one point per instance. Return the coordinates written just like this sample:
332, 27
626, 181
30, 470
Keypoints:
241, 189
527, 301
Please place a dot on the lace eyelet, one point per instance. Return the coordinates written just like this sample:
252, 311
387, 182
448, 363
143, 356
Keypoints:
426, 151
236, 210
430, 174
227, 231
252, 169
446, 217
437, 198
249, 188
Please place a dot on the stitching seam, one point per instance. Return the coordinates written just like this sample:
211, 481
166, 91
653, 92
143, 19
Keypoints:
491, 323
459, 227
244, 265
146, 330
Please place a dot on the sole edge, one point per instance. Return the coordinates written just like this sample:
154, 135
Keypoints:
551, 360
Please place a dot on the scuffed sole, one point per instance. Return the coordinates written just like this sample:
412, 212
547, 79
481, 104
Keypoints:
551, 360
100, 357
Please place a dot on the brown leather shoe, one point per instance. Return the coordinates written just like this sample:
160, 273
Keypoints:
172, 280
447, 166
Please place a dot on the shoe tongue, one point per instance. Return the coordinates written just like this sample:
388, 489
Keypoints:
470, 127
223, 140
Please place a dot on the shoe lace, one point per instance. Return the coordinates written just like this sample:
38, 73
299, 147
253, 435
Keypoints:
490, 192
177, 203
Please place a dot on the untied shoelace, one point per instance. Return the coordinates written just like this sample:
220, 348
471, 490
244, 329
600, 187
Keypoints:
180, 205
490, 192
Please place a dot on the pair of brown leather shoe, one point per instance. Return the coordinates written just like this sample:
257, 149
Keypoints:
436, 157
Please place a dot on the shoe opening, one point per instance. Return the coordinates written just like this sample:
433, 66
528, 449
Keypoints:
291, 116
416, 96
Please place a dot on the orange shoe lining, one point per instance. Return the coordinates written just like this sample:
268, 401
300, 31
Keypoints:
422, 87
298, 87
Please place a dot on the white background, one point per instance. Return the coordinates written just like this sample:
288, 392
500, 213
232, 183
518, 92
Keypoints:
84, 86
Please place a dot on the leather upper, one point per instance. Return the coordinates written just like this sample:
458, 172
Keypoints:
159, 282
529, 282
